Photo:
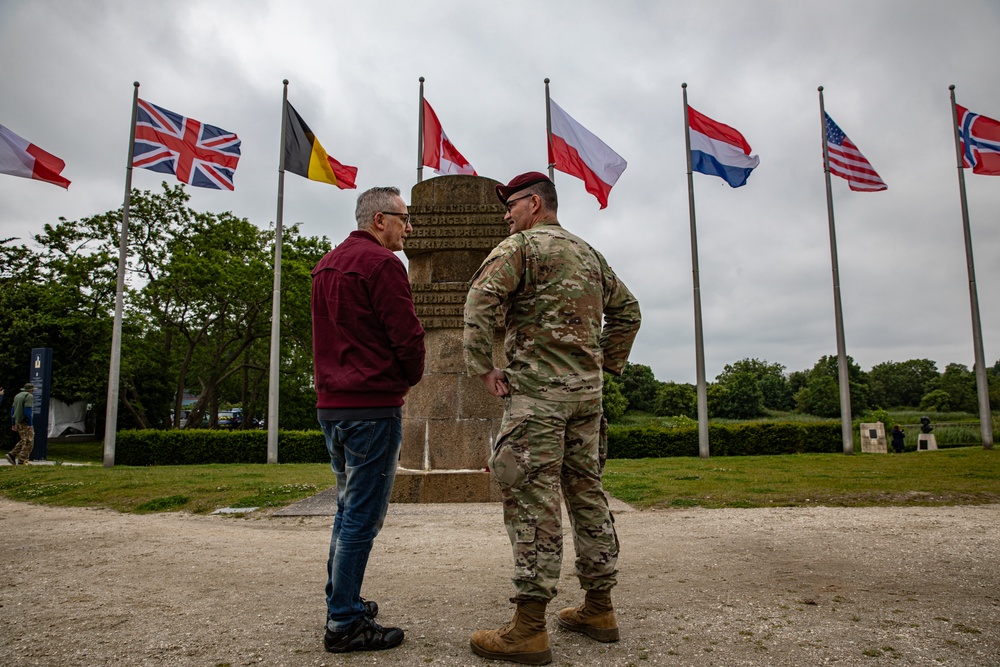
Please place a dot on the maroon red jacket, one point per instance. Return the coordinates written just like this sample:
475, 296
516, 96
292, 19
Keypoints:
368, 345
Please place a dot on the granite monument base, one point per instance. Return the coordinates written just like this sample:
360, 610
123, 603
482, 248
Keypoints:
445, 486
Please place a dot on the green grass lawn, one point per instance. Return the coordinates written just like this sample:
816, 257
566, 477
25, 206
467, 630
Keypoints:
198, 489
969, 475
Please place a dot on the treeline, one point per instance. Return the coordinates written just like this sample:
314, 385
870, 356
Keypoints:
752, 388
197, 312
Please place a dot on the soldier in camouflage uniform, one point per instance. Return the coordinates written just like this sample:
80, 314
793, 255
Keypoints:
568, 318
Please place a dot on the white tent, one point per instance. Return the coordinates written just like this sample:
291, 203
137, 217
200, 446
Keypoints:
67, 419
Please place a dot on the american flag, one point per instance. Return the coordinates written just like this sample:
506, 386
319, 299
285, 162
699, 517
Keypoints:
980, 137
197, 153
847, 161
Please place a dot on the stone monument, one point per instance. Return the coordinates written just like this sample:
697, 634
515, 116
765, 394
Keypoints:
873, 438
450, 421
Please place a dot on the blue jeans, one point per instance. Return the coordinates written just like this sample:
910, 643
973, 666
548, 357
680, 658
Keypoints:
363, 456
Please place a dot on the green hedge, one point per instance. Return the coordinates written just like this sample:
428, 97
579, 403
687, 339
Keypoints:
751, 439
149, 447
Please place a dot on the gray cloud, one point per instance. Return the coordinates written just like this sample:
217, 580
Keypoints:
764, 249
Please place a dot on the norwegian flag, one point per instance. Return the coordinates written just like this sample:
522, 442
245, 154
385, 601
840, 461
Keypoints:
197, 153
980, 137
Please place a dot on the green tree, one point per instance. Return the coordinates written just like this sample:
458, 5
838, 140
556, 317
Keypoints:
613, 399
901, 384
639, 386
675, 400
198, 307
770, 381
960, 384
821, 394
742, 399
937, 400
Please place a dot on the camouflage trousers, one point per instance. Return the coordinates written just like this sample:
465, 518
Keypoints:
546, 449
22, 450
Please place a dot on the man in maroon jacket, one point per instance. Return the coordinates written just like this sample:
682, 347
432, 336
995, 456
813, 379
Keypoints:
368, 350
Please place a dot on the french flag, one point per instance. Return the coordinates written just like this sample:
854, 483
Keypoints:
575, 150
719, 150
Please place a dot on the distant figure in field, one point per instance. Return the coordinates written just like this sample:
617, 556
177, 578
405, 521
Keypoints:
897, 439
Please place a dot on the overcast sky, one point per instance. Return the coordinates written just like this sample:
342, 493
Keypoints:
617, 68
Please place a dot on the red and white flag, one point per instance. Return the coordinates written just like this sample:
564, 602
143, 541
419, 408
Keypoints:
439, 153
847, 161
575, 150
20, 157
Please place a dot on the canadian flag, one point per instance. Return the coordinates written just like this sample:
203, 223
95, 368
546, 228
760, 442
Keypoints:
439, 153
577, 151
20, 157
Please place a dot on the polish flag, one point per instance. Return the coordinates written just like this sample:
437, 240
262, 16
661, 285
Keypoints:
575, 150
439, 153
19, 157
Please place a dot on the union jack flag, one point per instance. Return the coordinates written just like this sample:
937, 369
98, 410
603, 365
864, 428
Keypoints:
980, 137
197, 153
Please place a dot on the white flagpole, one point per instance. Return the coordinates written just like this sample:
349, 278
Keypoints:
420, 135
846, 430
274, 373
982, 386
114, 371
548, 131
699, 340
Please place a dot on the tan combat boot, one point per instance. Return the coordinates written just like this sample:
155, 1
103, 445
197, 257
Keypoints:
595, 617
523, 640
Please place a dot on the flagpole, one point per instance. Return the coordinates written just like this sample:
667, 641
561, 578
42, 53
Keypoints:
548, 132
846, 429
982, 386
699, 339
274, 373
114, 371
420, 135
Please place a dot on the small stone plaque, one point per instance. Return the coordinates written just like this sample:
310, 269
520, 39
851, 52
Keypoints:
873, 438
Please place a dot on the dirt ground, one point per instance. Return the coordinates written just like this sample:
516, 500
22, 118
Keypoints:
774, 587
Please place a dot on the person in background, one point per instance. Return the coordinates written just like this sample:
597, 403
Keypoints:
20, 418
897, 439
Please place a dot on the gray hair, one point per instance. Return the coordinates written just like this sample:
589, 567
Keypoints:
546, 191
371, 202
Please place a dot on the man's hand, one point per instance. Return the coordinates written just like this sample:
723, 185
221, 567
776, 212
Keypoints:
496, 382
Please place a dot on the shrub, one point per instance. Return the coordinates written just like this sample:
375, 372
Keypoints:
752, 439
199, 446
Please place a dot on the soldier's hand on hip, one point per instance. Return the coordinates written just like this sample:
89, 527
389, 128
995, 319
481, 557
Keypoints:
496, 382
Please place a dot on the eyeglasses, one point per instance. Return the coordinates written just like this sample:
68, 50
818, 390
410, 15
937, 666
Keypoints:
510, 202
405, 217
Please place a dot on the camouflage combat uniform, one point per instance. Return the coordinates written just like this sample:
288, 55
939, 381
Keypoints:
552, 290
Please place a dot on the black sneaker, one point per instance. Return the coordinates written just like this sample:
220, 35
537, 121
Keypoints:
363, 635
371, 608
12, 460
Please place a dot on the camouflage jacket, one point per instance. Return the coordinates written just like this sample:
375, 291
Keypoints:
552, 290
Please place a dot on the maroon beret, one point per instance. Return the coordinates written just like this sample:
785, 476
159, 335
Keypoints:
519, 183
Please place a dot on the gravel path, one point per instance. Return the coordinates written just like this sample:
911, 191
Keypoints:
762, 587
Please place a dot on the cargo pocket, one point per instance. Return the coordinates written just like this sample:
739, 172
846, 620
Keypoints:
505, 462
525, 551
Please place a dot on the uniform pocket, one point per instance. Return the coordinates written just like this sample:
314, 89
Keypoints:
506, 464
525, 550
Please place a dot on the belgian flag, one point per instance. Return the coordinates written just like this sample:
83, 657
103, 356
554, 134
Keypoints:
305, 156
